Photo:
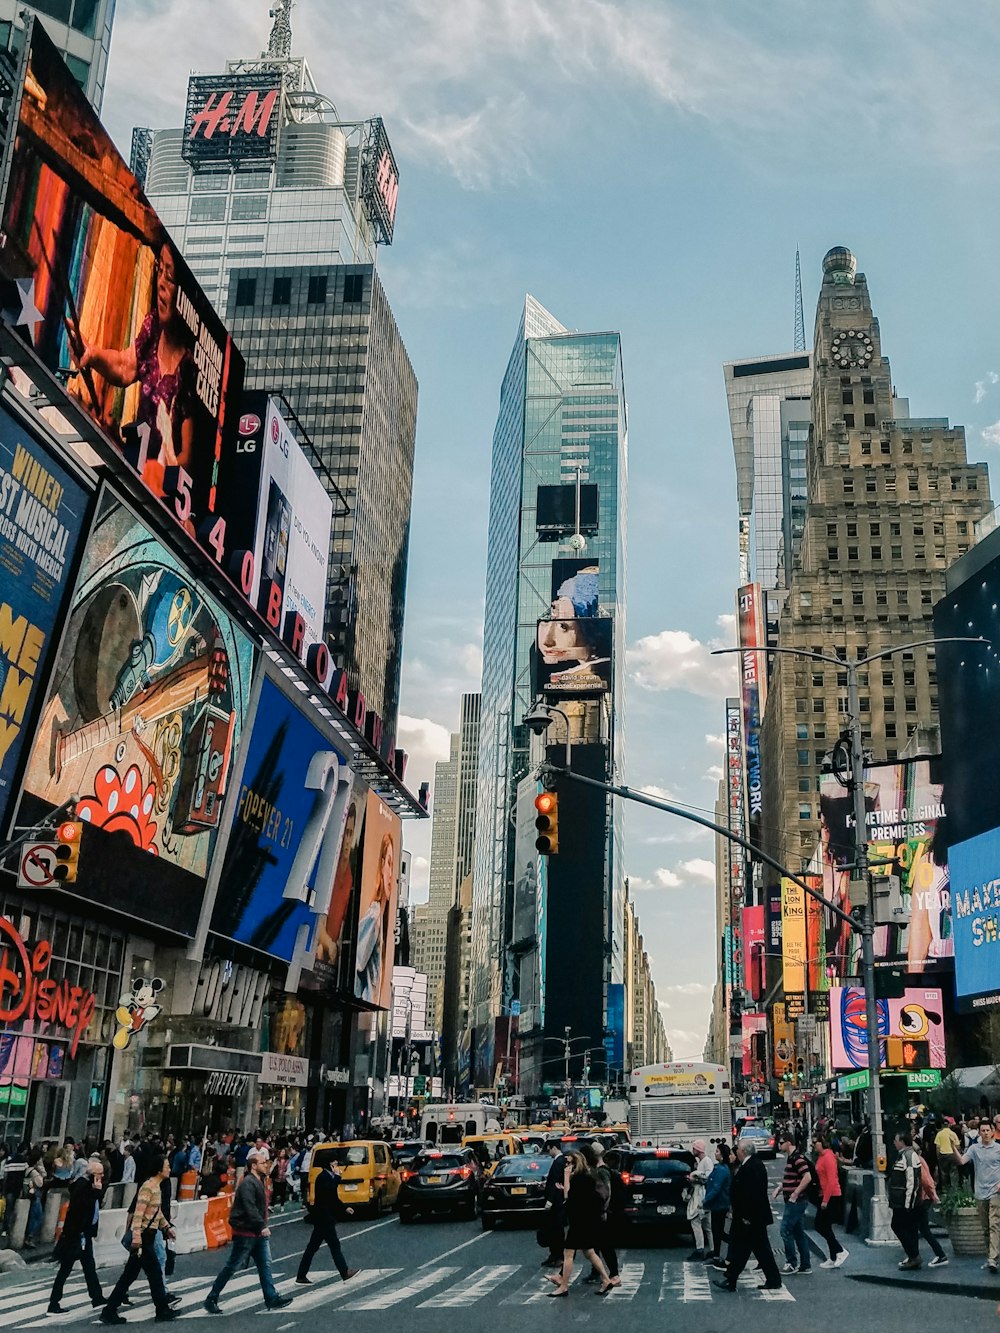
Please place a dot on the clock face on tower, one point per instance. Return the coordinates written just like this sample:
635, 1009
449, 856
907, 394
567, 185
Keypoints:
853, 348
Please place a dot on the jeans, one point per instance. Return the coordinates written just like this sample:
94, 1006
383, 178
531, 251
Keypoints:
85, 1254
989, 1216
793, 1234
718, 1230
324, 1232
143, 1259
258, 1248
35, 1214
161, 1252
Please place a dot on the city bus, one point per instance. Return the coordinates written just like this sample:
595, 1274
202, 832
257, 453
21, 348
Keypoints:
671, 1105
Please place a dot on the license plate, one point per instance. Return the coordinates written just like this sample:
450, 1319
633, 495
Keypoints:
665, 1208
348, 1187
435, 1180
519, 1189
637, 1198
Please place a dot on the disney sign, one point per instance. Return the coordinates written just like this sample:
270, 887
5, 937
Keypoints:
25, 992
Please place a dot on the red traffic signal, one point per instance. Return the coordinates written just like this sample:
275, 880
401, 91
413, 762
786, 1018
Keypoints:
67, 851
547, 823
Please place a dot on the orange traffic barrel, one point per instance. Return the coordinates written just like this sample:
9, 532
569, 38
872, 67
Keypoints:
63, 1210
188, 1188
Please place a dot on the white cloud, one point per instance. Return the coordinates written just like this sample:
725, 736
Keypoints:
470, 655
982, 386
676, 660
426, 743
699, 868
716, 742
686, 988
420, 873
714, 772
667, 879
658, 793
685, 1043
991, 434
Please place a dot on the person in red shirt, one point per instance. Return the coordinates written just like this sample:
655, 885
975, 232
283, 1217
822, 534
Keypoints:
829, 1185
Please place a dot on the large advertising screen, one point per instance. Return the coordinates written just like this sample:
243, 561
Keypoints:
43, 513
574, 655
905, 811
910, 1029
276, 506
803, 948
575, 588
265, 896
377, 903
750, 1025
144, 713
232, 118
379, 180
120, 318
529, 906
753, 949
753, 693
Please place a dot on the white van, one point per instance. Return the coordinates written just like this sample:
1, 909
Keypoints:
453, 1121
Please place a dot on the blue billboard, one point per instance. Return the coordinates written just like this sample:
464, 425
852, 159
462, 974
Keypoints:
43, 512
975, 907
615, 1041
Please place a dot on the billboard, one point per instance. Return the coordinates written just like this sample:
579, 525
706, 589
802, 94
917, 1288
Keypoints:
975, 867
614, 1043
276, 506
232, 118
377, 903
904, 806
529, 906
379, 181
266, 897
575, 589
43, 514
910, 1029
793, 944
753, 693
144, 714
749, 1025
783, 1038
753, 949
574, 655
119, 316
555, 509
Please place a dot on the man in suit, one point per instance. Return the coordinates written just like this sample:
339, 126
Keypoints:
751, 1218
327, 1210
77, 1239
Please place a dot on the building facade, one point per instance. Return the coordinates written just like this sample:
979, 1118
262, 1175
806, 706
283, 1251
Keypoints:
81, 31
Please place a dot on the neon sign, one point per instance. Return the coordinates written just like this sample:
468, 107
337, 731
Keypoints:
26, 993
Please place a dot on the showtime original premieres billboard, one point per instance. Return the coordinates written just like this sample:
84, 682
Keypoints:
753, 694
110, 306
43, 514
232, 118
144, 715
910, 1029
904, 805
574, 655
276, 506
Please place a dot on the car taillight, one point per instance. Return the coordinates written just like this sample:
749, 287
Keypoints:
626, 1178
636, 1180
464, 1171
406, 1175
771, 1142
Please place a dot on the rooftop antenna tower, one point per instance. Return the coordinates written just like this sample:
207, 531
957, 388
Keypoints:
279, 45
800, 323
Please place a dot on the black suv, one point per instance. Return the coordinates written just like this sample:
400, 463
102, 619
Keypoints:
515, 1189
440, 1180
655, 1187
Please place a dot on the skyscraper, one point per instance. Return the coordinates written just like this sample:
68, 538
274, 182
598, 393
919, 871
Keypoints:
81, 31
559, 447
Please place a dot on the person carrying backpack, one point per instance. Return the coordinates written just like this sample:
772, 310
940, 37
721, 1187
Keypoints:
718, 1190
904, 1198
795, 1187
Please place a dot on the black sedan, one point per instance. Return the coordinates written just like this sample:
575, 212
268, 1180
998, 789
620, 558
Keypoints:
655, 1186
403, 1151
516, 1189
446, 1180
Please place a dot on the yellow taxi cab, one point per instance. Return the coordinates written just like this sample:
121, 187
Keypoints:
624, 1136
492, 1148
368, 1180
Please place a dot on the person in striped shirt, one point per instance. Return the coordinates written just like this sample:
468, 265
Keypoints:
147, 1220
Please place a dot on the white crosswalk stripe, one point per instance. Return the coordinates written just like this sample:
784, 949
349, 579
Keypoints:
631, 1276
321, 1293
752, 1282
384, 1300
473, 1288
78, 1304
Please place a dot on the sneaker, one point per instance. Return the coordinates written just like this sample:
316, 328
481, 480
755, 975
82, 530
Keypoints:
212, 1305
174, 1299
803, 1272
719, 1265
56, 1309
303, 1281
910, 1265
790, 1268
841, 1258
696, 1257
828, 1263
165, 1316
723, 1286
991, 1268
771, 1286
279, 1303
938, 1261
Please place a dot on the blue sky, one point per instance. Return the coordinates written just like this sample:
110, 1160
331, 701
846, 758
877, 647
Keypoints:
648, 167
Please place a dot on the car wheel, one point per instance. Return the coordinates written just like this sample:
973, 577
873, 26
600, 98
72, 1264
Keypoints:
405, 1218
488, 1223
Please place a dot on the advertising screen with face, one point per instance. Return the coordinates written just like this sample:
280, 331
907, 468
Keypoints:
915, 1021
377, 903
118, 315
575, 588
144, 715
574, 655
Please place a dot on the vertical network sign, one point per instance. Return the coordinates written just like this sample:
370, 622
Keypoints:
753, 692
735, 782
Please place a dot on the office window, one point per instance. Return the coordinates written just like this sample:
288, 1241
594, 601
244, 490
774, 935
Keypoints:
249, 208
317, 289
870, 484
911, 704
897, 552
805, 811
858, 597
876, 553
913, 483
847, 397
281, 292
881, 597
890, 730
849, 420
819, 706
354, 288
831, 529
848, 485
246, 291
832, 553
852, 553
852, 529
868, 395
803, 756
208, 209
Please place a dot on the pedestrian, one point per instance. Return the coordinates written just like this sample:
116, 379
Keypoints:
251, 1234
305, 1162
593, 1155
556, 1193
128, 1164
751, 1218
585, 1207
947, 1144
794, 1189
194, 1155
77, 1240
279, 1180
904, 1199
718, 1190
147, 1220
928, 1198
984, 1158
34, 1184
327, 1211
829, 1204
696, 1215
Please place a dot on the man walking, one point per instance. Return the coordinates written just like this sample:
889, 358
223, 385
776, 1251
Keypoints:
251, 1234
556, 1193
147, 1220
793, 1189
904, 1198
327, 1210
946, 1144
751, 1218
77, 1239
984, 1157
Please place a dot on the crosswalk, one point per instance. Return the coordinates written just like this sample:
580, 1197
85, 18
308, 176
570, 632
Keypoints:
430, 1287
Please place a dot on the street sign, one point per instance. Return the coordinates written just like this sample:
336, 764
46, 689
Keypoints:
855, 1082
757, 1099
923, 1078
806, 1025
37, 866
419, 1085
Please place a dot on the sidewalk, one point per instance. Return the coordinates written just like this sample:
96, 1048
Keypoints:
879, 1264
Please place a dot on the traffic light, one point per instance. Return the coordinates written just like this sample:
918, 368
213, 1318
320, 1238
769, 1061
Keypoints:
547, 823
906, 1054
67, 851
800, 1070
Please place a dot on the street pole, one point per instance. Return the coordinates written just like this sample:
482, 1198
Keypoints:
807, 1046
566, 1058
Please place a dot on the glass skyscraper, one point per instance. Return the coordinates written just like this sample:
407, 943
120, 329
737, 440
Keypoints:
80, 30
562, 419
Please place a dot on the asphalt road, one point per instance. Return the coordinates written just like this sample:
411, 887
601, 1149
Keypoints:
443, 1273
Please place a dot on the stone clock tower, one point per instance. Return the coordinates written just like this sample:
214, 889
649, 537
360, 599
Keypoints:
891, 502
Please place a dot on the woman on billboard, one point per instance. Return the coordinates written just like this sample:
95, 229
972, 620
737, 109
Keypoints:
373, 927
328, 937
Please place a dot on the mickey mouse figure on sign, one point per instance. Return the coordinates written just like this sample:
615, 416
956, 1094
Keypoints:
136, 1008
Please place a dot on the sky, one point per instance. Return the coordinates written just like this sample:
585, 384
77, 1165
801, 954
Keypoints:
648, 167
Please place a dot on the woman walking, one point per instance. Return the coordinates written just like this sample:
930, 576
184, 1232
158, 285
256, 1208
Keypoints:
585, 1207
717, 1196
830, 1202
696, 1214
928, 1198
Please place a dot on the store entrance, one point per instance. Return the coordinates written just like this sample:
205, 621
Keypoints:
49, 1109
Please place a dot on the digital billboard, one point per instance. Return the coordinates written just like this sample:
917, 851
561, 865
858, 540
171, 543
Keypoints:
276, 506
377, 903
975, 868
803, 947
120, 317
783, 1041
144, 714
43, 514
750, 1025
574, 655
753, 693
232, 118
753, 949
529, 906
379, 180
266, 896
910, 1028
905, 813
555, 509
575, 589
